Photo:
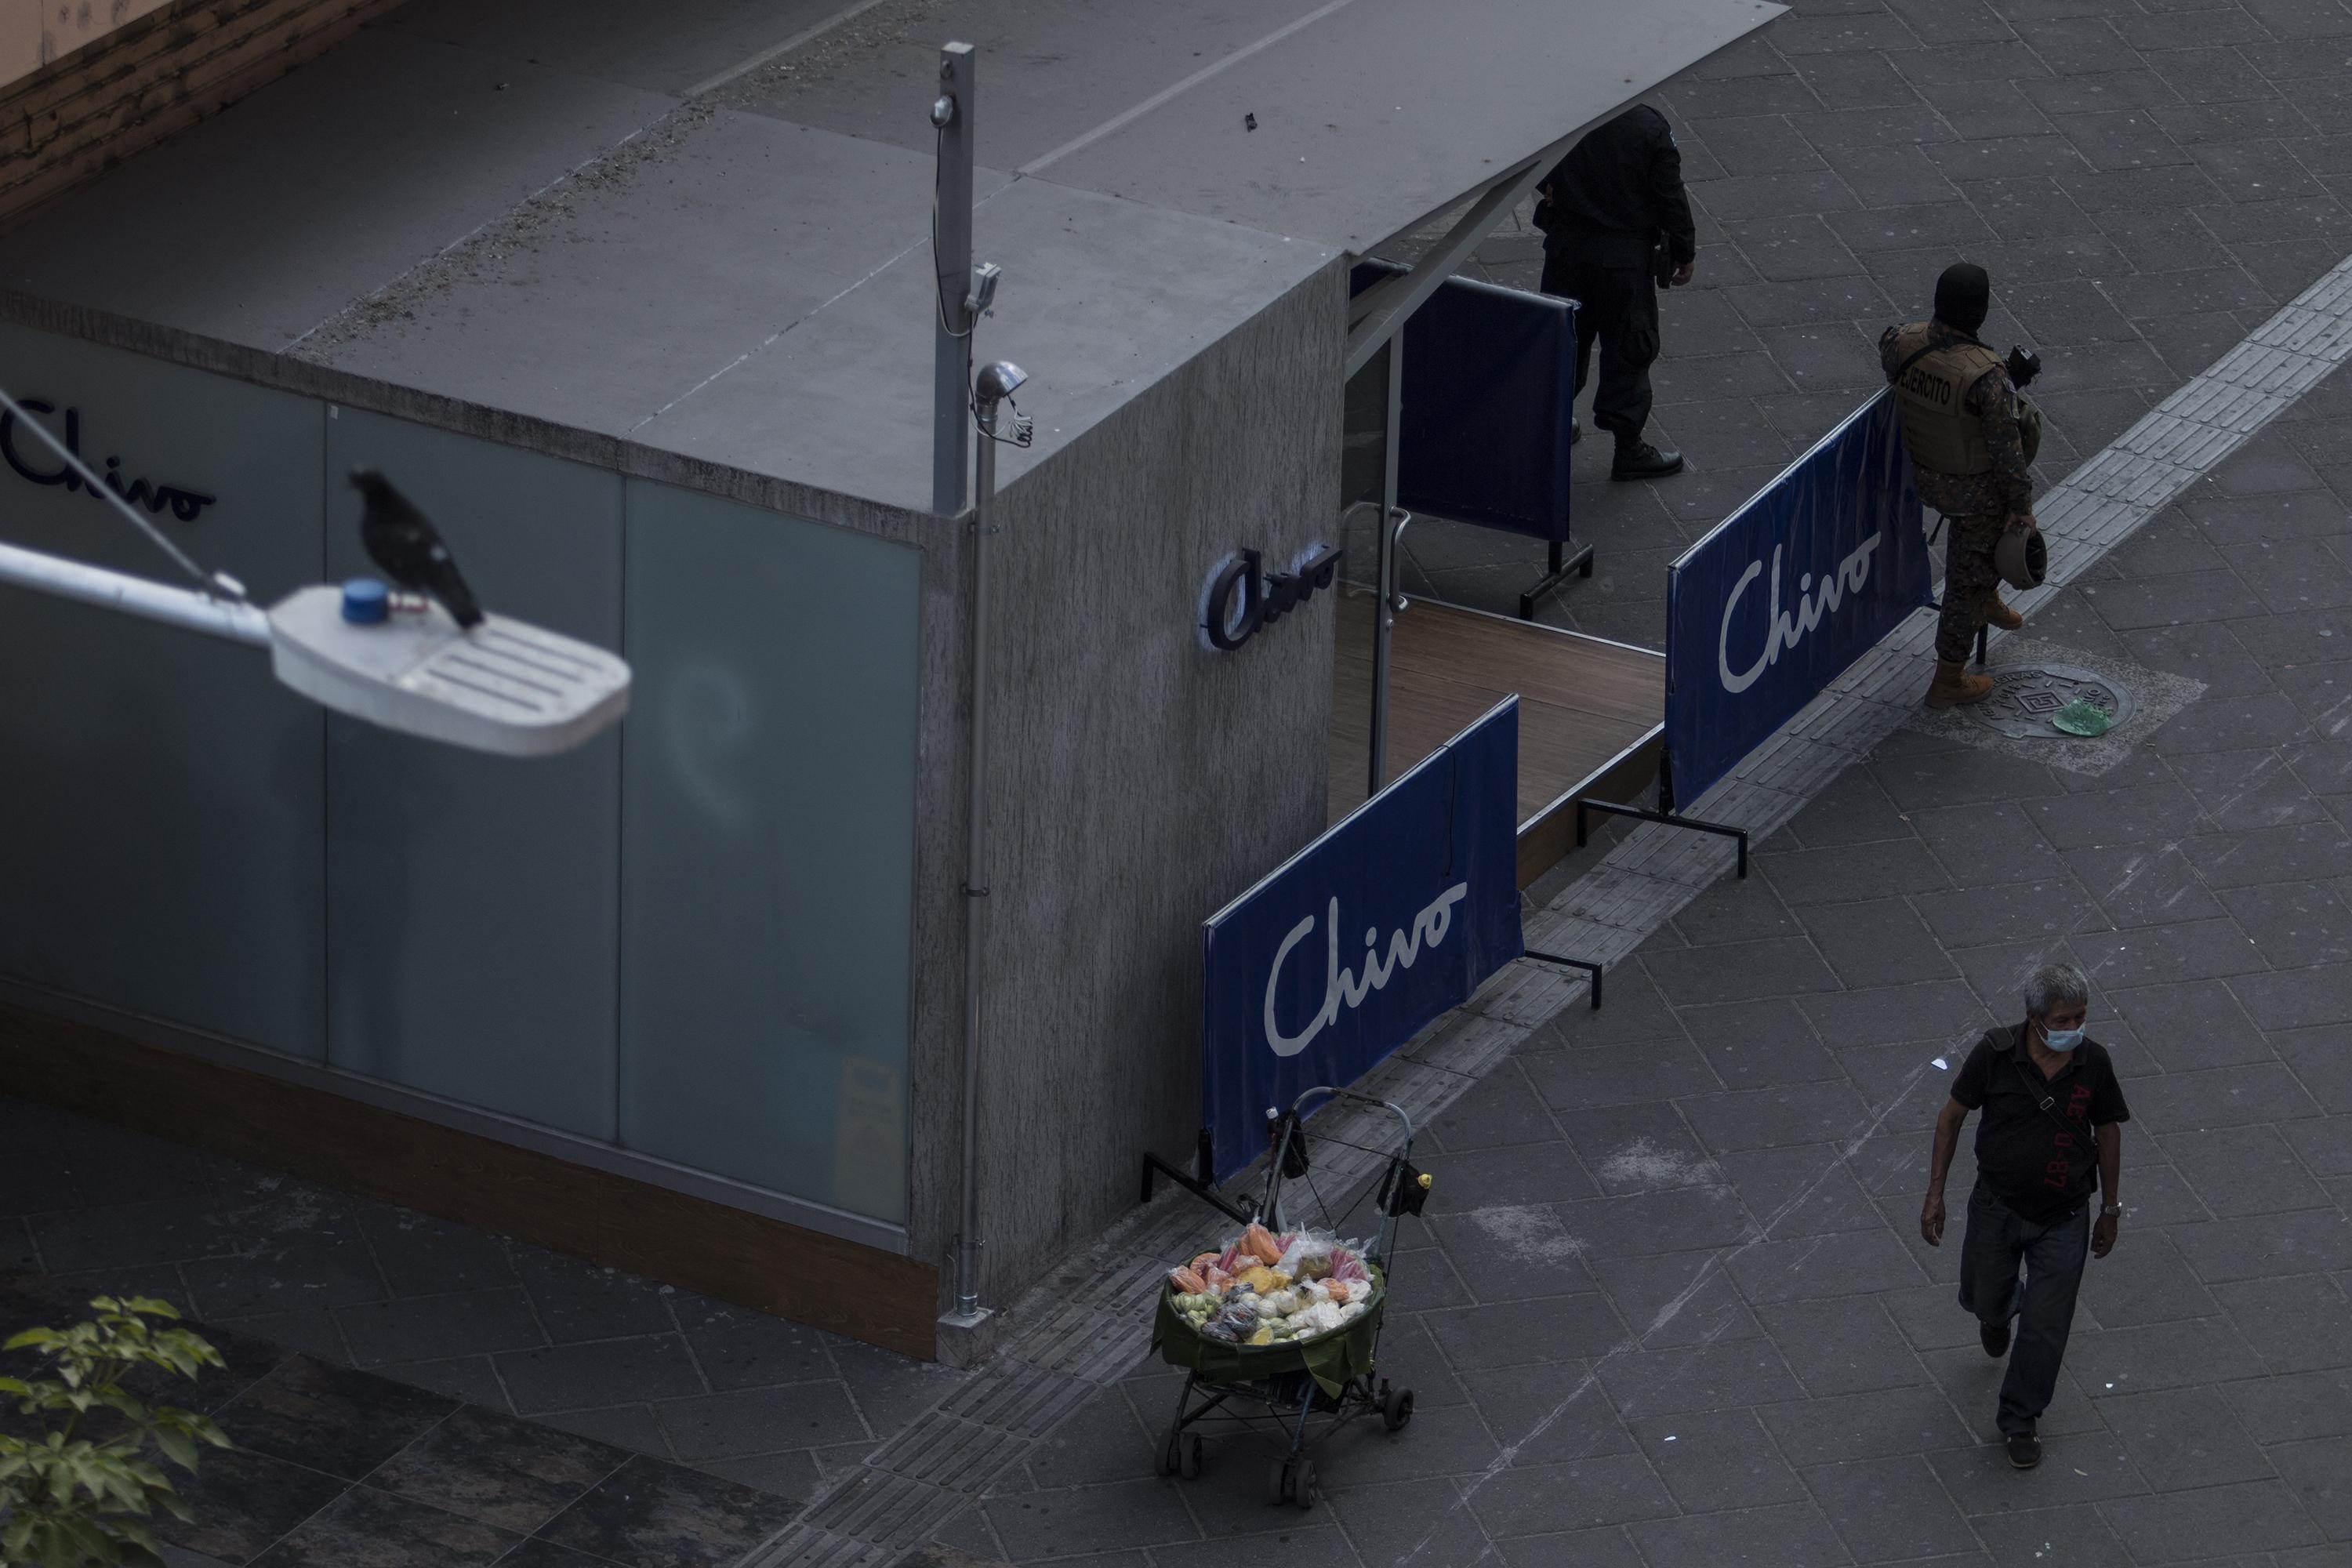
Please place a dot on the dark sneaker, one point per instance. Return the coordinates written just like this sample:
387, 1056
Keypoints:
1995, 1337
2024, 1450
1643, 461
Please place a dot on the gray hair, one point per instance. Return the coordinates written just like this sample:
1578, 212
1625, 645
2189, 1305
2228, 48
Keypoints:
2053, 987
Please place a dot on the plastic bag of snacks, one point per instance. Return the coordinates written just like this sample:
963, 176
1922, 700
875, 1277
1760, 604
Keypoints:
1235, 1322
1308, 1256
1263, 1288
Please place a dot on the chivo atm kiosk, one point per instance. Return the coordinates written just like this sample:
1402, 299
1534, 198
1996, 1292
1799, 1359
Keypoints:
661, 362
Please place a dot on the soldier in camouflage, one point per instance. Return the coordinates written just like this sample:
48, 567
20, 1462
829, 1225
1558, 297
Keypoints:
1960, 415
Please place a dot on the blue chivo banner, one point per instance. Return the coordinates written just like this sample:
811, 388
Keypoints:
1395, 915
1767, 610
1486, 408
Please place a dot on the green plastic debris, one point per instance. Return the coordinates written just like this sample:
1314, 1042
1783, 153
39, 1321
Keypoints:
2082, 717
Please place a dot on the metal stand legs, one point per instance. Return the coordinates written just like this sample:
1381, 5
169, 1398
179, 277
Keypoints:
1666, 818
1592, 971
1562, 563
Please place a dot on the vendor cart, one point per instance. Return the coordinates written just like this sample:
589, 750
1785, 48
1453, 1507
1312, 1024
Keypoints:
1302, 1391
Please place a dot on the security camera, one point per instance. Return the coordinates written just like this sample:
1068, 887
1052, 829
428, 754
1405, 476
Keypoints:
999, 381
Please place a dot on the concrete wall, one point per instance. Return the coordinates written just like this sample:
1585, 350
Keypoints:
104, 83
1141, 780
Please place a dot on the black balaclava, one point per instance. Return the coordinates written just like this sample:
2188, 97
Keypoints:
1963, 295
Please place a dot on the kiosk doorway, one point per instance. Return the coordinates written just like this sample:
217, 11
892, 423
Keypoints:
1467, 412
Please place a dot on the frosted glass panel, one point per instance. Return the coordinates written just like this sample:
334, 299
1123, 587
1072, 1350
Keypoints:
473, 902
768, 848
165, 790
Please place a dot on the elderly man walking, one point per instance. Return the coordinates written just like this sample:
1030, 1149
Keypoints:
2052, 1135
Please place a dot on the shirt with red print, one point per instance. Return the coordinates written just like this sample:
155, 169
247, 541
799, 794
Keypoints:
2039, 1159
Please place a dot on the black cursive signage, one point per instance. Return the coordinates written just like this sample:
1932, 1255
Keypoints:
184, 504
1244, 601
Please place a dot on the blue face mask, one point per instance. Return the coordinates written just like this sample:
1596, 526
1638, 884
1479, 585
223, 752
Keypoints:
2063, 1040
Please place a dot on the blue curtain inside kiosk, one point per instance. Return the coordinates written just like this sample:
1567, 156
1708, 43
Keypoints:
1771, 606
690, 938
1486, 405
1427, 870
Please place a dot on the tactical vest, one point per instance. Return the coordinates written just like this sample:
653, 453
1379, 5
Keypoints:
1939, 432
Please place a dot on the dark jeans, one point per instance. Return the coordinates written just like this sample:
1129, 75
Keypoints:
1617, 306
2053, 1252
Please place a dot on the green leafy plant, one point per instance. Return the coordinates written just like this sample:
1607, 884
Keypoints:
80, 1494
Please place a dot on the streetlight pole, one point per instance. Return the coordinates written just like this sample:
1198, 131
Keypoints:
951, 117
996, 382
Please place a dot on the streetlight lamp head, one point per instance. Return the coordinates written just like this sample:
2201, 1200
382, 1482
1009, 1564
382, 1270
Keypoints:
999, 381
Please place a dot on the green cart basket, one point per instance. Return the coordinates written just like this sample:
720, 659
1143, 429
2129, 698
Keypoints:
1301, 1391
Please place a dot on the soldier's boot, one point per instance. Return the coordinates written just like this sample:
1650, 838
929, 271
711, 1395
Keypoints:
1999, 614
1954, 687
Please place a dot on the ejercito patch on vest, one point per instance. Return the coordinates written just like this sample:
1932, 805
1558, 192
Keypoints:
1931, 386
1942, 434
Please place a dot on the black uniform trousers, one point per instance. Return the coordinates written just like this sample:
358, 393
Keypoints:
1617, 307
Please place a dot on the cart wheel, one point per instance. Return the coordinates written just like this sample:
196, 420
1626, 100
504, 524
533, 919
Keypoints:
1302, 1486
1189, 1462
1278, 1482
1169, 1453
1396, 1409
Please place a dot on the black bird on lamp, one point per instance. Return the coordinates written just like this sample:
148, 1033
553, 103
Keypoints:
402, 541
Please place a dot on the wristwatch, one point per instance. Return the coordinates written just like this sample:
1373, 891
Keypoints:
2109, 1211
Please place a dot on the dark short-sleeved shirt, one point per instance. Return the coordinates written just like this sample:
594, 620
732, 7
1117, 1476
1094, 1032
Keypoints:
2035, 1161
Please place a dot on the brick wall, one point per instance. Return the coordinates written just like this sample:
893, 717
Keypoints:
34, 32
79, 116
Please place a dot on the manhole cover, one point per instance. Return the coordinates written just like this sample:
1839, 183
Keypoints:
2025, 696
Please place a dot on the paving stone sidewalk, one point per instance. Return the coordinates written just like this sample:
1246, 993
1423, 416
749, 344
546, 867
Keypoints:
2147, 180
1670, 1308
425, 1383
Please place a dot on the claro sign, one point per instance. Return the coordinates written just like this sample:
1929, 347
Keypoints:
1243, 599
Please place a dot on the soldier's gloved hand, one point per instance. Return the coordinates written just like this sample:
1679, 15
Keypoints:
1682, 274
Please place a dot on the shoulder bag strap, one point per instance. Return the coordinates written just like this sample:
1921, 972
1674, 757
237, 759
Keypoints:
1896, 373
2044, 1100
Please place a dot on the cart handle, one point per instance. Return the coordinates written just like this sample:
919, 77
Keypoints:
1298, 1105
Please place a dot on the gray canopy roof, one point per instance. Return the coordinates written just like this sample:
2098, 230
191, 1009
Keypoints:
621, 217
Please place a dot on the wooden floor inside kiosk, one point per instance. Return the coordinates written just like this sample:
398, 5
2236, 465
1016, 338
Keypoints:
1589, 711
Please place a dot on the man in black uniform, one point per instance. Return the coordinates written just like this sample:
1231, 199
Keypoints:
2051, 1138
1613, 201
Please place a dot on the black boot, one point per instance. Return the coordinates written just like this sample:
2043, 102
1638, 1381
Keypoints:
1642, 461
